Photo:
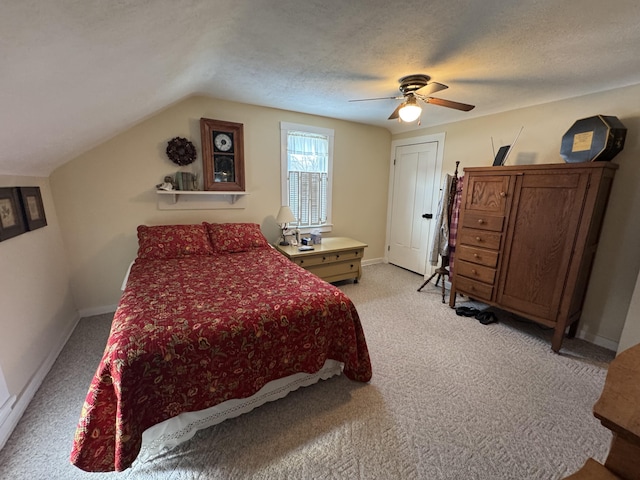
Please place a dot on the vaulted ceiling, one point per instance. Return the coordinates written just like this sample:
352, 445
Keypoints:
77, 72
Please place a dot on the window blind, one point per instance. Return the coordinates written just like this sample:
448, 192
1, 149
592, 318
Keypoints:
307, 160
308, 197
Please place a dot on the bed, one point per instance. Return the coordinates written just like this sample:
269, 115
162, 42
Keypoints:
213, 322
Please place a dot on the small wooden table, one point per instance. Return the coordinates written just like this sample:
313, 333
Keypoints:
335, 259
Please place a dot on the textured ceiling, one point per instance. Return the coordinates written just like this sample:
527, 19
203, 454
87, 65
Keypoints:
76, 72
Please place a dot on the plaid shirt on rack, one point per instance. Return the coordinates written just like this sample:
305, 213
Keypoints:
453, 225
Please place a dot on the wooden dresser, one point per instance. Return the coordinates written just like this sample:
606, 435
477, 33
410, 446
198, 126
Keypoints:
336, 258
618, 409
527, 237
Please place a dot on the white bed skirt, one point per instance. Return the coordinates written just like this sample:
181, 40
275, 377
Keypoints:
166, 435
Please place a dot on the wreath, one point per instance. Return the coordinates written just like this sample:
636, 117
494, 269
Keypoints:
181, 151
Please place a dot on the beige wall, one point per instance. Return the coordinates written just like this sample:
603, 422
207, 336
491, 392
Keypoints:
631, 331
38, 311
618, 258
103, 195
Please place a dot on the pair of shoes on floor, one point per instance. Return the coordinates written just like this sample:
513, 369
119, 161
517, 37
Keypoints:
486, 318
467, 311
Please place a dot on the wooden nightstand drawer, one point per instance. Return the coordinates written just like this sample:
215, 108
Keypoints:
476, 272
477, 255
333, 270
479, 238
311, 259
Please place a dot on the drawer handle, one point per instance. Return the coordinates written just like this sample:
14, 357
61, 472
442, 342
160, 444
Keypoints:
503, 194
324, 258
474, 271
352, 265
337, 257
301, 262
478, 239
480, 221
475, 255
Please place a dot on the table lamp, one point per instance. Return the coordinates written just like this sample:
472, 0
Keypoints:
285, 216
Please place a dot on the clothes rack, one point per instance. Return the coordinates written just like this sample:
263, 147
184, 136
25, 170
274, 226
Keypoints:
442, 271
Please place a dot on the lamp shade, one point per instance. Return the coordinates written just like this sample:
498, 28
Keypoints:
285, 215
410, 111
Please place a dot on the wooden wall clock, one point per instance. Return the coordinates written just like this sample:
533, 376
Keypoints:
222, 155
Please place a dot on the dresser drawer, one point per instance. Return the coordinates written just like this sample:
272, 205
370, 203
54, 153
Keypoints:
479, 238
477, 255
475, 290
475, 272
336, 269
310, 260
483, 222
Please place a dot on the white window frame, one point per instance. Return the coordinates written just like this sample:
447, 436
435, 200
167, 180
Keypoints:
285, 128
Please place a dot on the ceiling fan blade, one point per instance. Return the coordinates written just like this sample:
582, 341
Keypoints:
449, 104
396, 112
381, 98
431, 88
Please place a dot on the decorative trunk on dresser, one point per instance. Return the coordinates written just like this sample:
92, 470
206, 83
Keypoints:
527, 238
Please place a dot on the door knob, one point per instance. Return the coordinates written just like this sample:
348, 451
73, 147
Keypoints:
428, 216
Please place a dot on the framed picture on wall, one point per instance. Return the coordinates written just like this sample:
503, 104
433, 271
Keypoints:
33, 207
222, 155
11, 219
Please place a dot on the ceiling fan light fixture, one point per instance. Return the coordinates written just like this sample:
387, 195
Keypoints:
410, 111
414, 87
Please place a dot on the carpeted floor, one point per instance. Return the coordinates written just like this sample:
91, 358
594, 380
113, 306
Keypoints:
449, 399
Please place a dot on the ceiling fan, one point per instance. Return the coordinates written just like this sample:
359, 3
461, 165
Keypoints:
414, 88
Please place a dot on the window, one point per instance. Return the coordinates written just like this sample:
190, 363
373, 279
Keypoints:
307, 161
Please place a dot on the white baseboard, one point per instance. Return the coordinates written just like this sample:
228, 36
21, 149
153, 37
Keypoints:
597, 340
6, 399
5, 409
90, 312
372, 261
32, 387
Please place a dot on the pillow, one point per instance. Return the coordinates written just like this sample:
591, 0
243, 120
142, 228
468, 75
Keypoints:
173, 241
235, 237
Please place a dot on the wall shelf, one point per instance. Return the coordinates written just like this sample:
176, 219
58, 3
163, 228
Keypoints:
197, 200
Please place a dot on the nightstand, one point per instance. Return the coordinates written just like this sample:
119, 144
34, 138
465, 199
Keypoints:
335, 259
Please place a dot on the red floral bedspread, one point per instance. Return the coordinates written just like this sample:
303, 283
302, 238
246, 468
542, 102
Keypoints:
193, 332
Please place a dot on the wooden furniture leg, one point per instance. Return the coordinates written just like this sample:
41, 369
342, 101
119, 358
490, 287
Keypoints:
442, 273
573, 329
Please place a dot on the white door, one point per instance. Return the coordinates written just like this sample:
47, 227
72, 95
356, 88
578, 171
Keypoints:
413, 205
